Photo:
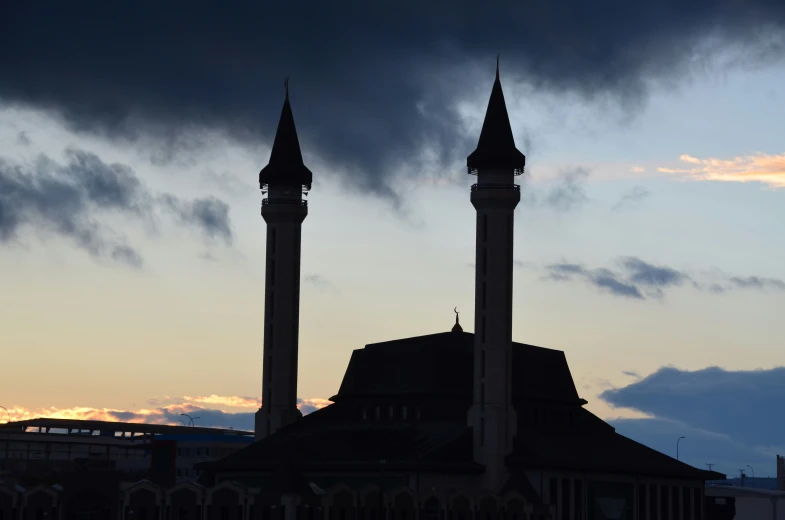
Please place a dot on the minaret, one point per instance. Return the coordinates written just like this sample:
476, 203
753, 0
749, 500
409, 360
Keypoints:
496, 162
285, 180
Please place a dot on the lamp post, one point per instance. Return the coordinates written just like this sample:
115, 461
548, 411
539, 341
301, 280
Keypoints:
677, 446
753, 475
9, 414
191, 419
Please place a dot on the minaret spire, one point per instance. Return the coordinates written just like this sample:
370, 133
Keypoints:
285, 179
496, 162
457, 327
286, 165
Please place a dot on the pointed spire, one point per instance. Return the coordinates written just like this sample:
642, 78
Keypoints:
457, 327
286, 167
496, 147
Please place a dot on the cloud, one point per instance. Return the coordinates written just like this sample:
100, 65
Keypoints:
232, 401
603, 279
631, 373
570, 192
373, 84
72, 199
637, 169
320, 283
632, 197
210, 215
763, 168
756, 282
167, 410
641, 280
307, 406
23, 139
739, 405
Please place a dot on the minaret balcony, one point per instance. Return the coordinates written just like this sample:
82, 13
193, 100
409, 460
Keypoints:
277, 200
483, 187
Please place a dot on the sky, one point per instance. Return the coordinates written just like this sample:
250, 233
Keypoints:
649, 244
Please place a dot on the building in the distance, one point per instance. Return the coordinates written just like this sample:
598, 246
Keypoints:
61, 446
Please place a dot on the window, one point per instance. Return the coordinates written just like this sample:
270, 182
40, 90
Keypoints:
378, 413
198, 452
269, 369
187, 452
664, 511
565, 498
697, 499
653, 502
553, 491
417, 413
686, 503
207, 452
404, 411
484, 228
484, 296
484, 261
182, 514
482, 396
392, 412
365, 413
483, 328
642, 501
675, 502
179, 452
224, 512
482, 363
272, 240
482, 431
578, 498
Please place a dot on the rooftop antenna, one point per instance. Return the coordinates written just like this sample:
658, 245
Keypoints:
286, 86
709, 465
497, 66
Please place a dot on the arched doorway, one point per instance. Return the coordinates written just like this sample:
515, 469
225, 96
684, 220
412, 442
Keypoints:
90, 504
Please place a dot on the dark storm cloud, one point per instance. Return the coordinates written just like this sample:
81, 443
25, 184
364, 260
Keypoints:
372, 82
738, 404
69, 200
641, 280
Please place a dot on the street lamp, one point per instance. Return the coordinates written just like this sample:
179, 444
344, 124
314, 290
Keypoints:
753, 475
9, 414
190, 418
677, 446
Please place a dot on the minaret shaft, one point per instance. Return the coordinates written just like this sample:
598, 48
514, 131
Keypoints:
281, 315
492, 414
